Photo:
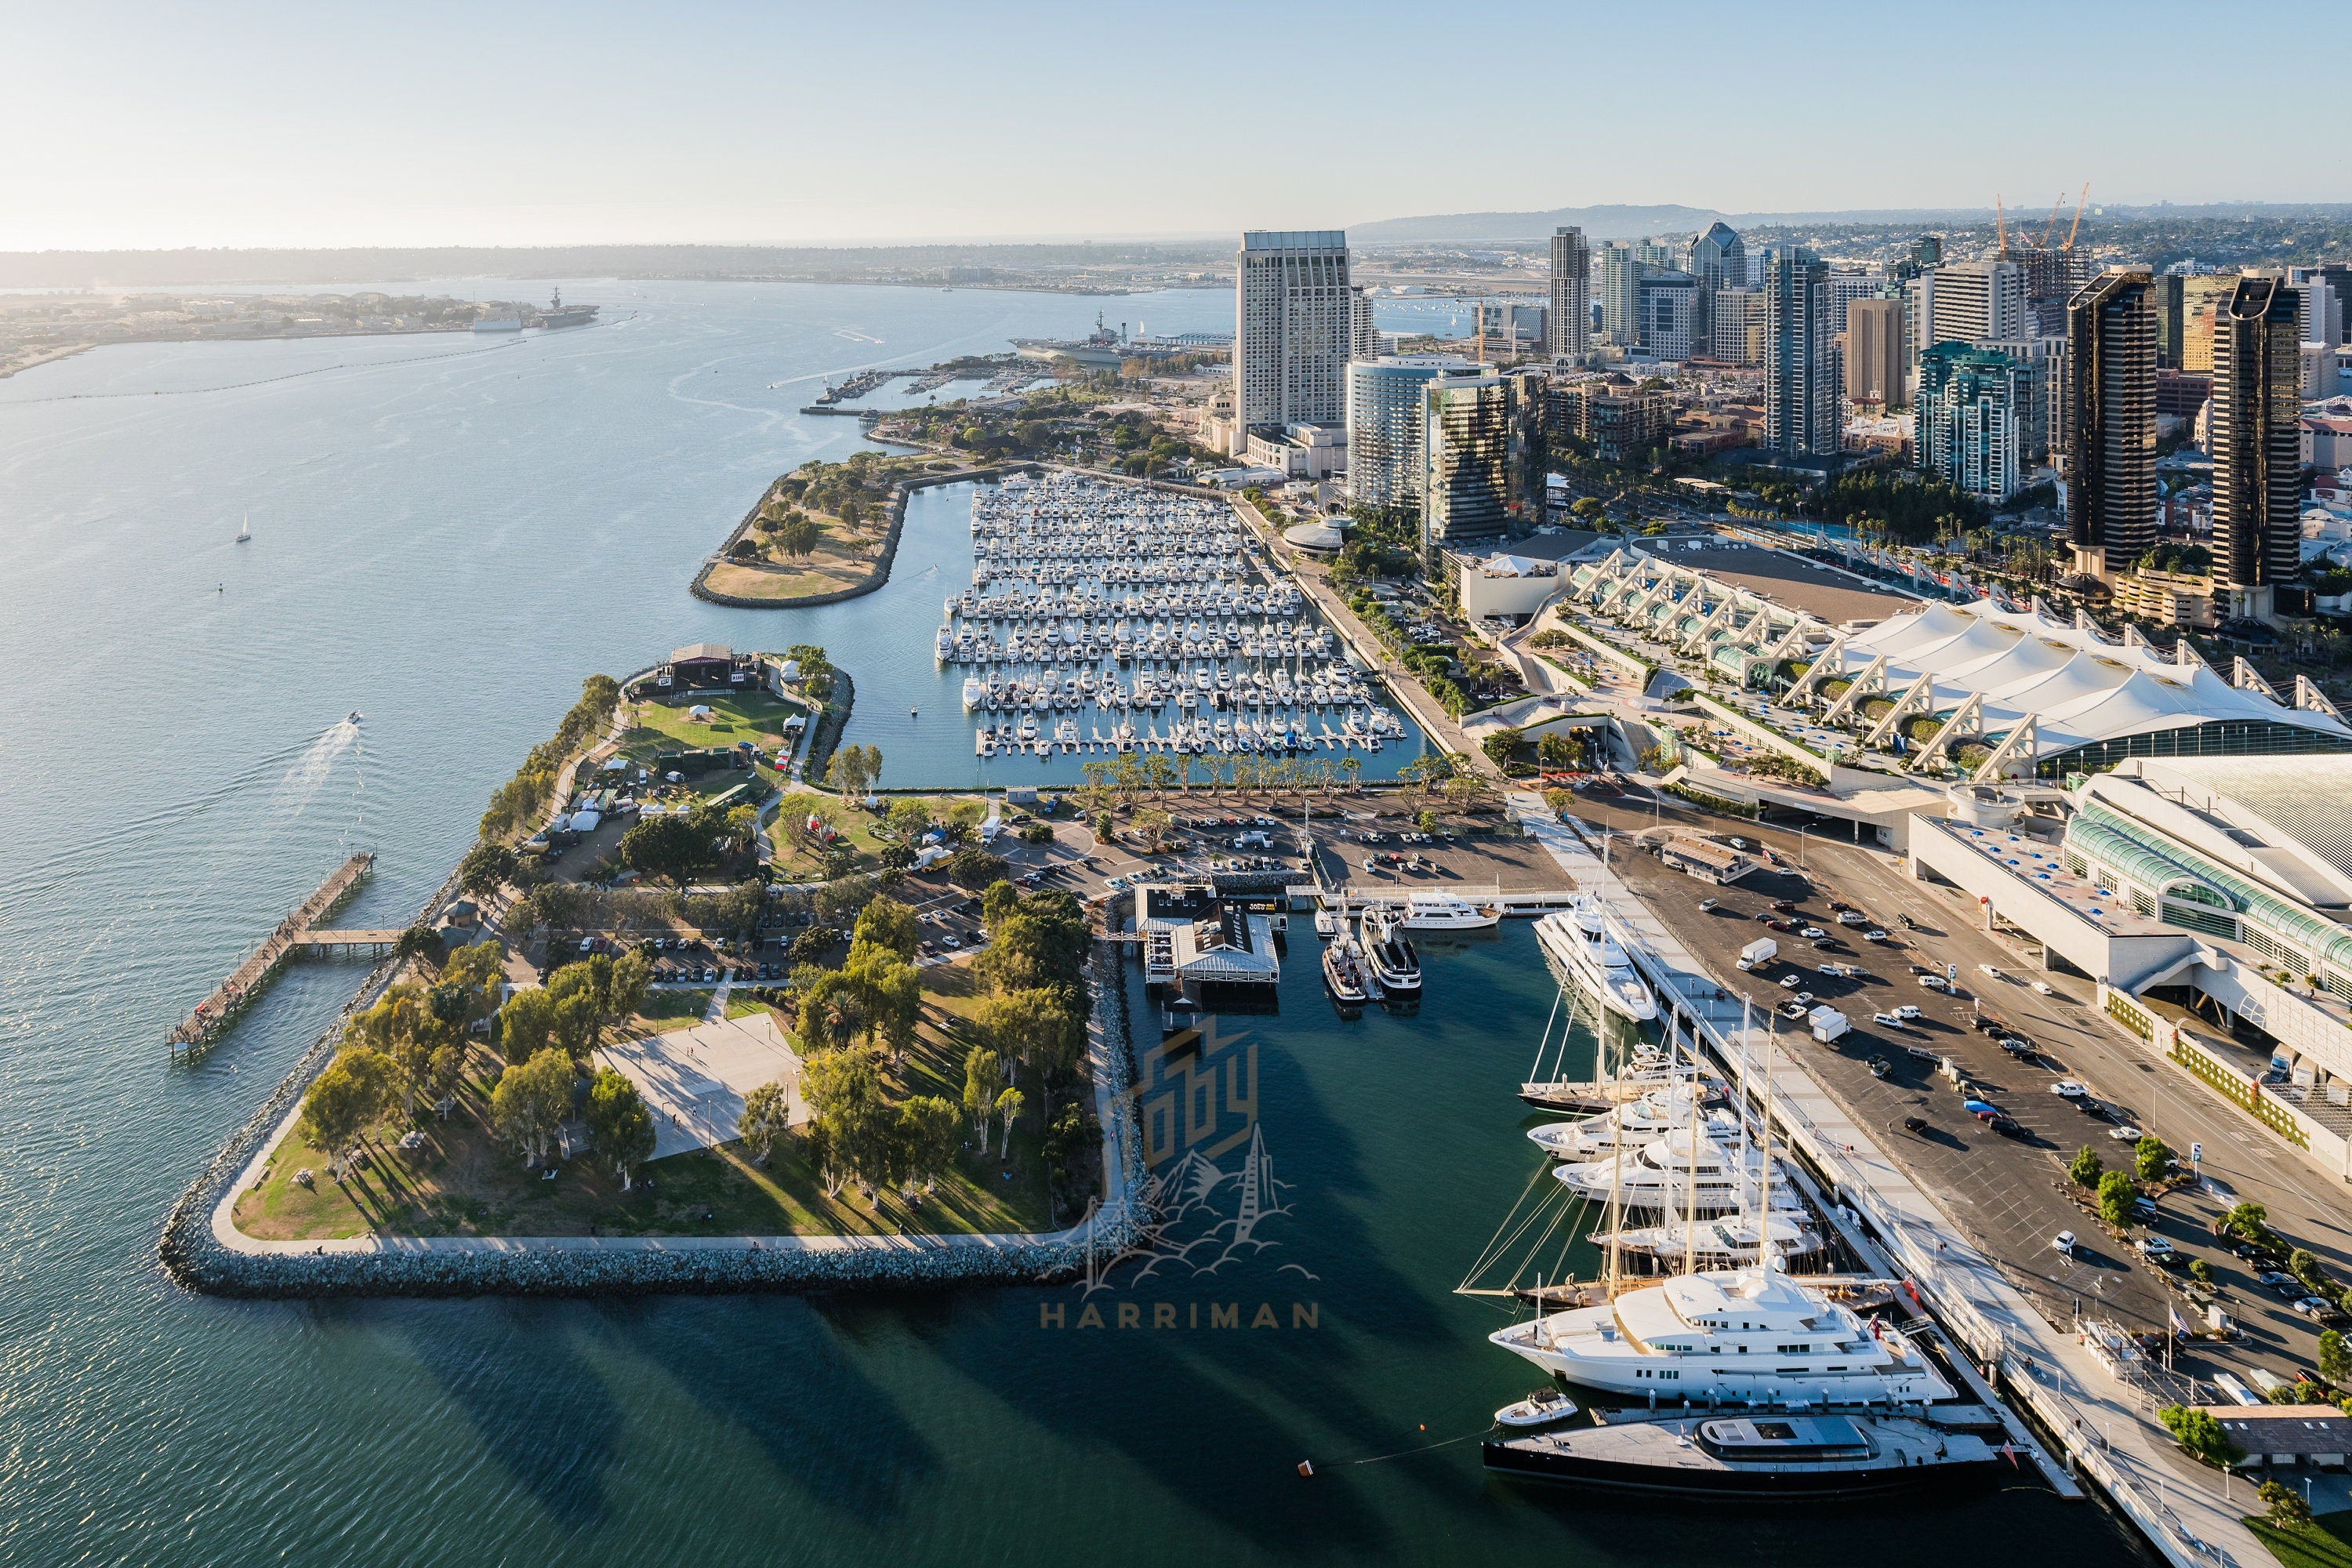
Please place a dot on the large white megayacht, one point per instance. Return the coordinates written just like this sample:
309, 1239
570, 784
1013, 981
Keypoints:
1576, 938
1744, 1334
1091, 595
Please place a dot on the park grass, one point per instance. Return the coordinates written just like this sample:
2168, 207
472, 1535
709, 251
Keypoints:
841, 559
463, 1182
857, 826
754, 716
2324, 1542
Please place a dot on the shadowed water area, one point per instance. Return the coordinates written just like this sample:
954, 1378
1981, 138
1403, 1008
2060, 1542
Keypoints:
446, 544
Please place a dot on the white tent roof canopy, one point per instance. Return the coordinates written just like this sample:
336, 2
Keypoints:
2083, 689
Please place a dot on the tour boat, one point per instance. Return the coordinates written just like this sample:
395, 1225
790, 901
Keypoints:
1578, 939
1389, 953
1444, 911
1343, 972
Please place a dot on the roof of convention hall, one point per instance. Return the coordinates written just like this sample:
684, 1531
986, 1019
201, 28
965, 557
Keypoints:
2080, 688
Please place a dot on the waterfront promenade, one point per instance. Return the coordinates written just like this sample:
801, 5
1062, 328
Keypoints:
1444, 733
2106, 1428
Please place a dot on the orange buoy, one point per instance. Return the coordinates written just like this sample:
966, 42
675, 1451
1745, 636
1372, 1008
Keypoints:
1305, 1467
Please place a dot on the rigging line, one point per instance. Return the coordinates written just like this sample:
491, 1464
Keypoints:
1566, 1211
1501, 1242
1448, 1443
1544, 1038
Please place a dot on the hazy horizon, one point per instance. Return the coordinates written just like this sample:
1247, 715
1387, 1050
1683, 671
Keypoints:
531, 125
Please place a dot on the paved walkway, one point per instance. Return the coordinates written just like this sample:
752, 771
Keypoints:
2106, 1427
1317, 585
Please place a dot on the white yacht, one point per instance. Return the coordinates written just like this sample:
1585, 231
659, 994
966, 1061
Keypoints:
1631, 1126
1729, 1241
1577, 939
1390, 954
973, 691
1666, 1177
1444, 911
1738, 1335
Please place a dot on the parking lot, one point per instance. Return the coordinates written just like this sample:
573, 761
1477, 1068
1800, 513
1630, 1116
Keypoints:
2010, 1193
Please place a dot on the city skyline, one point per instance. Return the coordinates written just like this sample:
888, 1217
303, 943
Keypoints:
731, 124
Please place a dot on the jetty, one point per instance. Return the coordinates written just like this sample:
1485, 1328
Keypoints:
297, 933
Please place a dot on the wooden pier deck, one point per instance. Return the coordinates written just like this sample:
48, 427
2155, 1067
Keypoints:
296, 933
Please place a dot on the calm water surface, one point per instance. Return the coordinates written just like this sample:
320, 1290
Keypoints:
446, 535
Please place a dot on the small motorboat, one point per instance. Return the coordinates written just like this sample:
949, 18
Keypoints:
1541, 1408
352, 718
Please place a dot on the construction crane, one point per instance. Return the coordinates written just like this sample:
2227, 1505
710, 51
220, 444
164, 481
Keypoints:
2001, 223
2052, 226
2078, 214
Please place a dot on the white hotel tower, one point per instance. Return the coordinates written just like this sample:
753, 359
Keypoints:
1291, 328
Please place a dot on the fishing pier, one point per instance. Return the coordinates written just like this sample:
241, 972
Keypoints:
298, 935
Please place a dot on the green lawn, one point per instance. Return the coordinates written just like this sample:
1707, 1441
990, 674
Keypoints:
2324, 1542
663, 726
857, 825
463, 1182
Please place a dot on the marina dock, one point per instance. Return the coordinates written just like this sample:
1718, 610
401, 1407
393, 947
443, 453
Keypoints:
297, 933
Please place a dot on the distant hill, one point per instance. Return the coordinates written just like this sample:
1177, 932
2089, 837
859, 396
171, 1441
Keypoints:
1619, 222
1598, 222
1636, 222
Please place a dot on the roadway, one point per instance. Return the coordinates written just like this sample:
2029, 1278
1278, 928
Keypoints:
2010, 1195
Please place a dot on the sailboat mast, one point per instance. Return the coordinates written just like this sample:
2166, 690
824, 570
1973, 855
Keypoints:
1764, 1208
1616, 1184
1690, 1193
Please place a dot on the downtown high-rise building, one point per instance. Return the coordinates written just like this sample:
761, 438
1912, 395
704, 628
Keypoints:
1718, 259
2110, 426
1471, 435
1621, 295
1293, 321
2256, 429
1873, 351
1846, 285
1387, 458
1569, 324
1668, 324
1970, 302
1974, 411
1736, 326
2168, 302
1363, 332
1800, 368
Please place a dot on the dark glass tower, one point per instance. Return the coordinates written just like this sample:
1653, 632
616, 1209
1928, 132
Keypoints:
2110, 436
2257, 461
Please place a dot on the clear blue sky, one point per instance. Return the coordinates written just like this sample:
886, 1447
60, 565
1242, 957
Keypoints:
508, 123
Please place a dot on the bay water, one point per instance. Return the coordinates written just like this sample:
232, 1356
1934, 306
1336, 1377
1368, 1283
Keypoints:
447, 534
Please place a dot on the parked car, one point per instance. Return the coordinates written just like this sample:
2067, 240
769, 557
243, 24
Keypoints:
2123, 1133
2067, 1088
2155, 1249
1813, 932
2064, 1242
1914, 1124
1888, 1019
1874, 934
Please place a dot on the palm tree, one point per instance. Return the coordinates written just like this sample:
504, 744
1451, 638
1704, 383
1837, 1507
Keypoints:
1352, 766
